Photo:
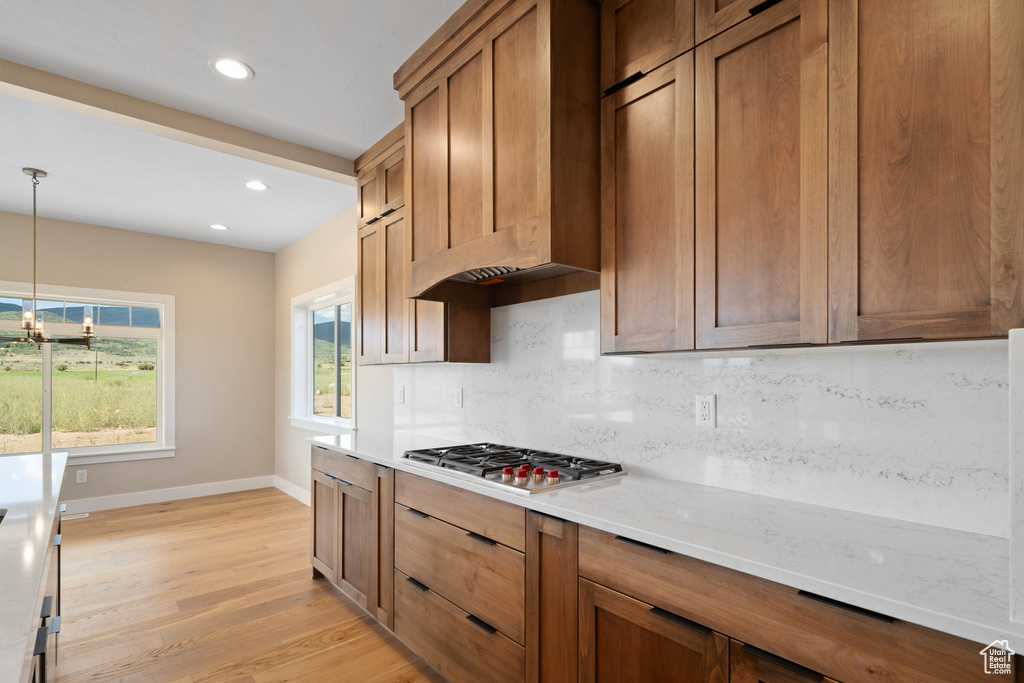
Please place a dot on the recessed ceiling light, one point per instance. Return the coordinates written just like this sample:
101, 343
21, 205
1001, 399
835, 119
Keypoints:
257, 185
232, 68
218, 226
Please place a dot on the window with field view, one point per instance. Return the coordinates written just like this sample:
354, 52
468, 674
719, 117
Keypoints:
332, 360
103, 399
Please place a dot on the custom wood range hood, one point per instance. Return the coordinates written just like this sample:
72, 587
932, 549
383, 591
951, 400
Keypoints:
502, 153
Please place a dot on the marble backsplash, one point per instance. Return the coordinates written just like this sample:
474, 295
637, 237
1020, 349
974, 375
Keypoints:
917, 432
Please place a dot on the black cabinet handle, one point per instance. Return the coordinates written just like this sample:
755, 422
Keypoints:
350, 456
481, 623
628, 80
343, 482
40, 647
416, 583
388, 212
682, 621
373, 220
55, 625
882, 341
416, 512
848, 607
783, 663
641, 544
762, 6
47, 608
482, 539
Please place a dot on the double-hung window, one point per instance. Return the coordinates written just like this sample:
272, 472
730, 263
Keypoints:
322, 373
111, 401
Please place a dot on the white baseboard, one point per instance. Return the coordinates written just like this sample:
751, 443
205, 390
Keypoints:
122, 500
297, 492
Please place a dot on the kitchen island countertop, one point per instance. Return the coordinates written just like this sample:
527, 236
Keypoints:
29, 489
953, 581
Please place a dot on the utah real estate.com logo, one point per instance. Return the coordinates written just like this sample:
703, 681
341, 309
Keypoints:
998, 658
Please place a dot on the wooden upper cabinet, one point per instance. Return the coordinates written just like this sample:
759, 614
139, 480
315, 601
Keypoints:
380, 183
711, 17
638, 36
926, 205
394, 302
502, 143
647, 213
370, 294
761, 180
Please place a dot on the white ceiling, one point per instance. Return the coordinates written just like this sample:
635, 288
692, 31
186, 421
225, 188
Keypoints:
323, 79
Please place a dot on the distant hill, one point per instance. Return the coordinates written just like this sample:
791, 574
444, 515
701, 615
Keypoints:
325, 331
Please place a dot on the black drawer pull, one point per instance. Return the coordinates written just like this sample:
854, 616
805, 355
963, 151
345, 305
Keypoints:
416, 512
342, 481
481, 623
780, 346
350, 456
682, 621
416, 583
56, 540
642, 545
373, 220
40, 646
482, 539
47, 608
55, 625
783, 663
850, 608
762, 6
320, 448
387, 213
627, 81
883, 341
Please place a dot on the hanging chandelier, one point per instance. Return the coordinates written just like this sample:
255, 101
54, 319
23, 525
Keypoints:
32, 319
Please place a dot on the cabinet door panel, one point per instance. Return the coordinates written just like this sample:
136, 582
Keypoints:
368, 198
641, 35
622, 639
926, 238
370, 296
384, 522
323, 544
427, 156
356, 547
395, 302
517, 80
466, 151
647, 213
392, 182
747, 667
761, 233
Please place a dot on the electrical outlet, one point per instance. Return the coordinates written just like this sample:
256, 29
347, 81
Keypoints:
705, 410
81, 476
400, 395
458, 397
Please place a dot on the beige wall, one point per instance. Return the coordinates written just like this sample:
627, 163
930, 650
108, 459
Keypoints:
224, 350
322, 257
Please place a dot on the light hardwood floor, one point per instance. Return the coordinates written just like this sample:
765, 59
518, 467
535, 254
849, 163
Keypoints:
213, 589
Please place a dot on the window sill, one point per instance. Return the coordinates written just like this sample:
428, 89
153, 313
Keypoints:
97, 457
323, 425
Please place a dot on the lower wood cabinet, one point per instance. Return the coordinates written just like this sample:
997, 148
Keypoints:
622, 639
459, 645
552, 610
748, 664
351, 537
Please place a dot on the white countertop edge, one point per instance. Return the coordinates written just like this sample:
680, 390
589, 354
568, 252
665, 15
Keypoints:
982, 633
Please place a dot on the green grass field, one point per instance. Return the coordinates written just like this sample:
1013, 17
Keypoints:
83, 400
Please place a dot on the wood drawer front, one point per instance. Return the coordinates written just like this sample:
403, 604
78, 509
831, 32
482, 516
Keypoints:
443, 635
832, 640
480, 576
503, 522
346, 467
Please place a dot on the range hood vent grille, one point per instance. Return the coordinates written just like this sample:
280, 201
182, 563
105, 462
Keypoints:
483, 274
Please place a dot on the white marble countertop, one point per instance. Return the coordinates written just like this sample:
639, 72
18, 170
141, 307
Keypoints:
952, 581
29, 489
